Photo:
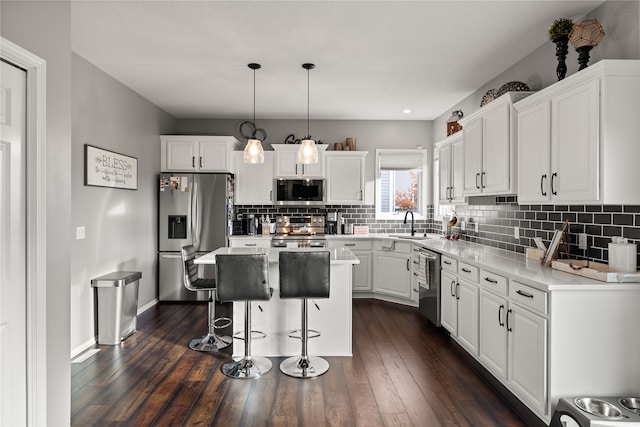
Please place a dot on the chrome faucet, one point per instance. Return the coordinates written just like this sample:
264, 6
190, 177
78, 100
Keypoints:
413, 231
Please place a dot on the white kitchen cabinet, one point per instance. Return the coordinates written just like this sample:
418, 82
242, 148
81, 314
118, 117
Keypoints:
362, 249
345, 177
451, 153
448, 302
493, 333
288, 167
489, 147
253, 182
577, 138
468, 315
392, 269
249, 242
192, 153
527, 356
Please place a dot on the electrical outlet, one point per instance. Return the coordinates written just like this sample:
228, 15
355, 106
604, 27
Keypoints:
80, 233
516, 232
582, 241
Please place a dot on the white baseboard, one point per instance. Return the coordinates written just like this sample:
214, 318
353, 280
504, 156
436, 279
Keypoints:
147, 306
91, 342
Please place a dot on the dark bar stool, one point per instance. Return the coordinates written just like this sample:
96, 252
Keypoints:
211, 341
244, 278
304, 275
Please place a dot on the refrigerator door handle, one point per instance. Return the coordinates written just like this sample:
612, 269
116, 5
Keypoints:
195, 215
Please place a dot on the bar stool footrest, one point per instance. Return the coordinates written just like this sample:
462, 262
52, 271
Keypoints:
297, 334
255, 335
227, 323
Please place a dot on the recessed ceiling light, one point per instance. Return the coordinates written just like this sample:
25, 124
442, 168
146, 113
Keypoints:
407, 111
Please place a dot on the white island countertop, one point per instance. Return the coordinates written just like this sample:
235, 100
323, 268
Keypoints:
338, 255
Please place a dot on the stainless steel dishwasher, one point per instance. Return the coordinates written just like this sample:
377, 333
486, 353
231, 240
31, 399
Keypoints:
426, 281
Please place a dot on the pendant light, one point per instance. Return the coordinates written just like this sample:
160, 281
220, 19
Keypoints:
308, 152
253, 151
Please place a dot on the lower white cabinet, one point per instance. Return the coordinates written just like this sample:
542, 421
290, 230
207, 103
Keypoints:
250, 242
527, 338
392, 269
361, 272
459, 310
513, 347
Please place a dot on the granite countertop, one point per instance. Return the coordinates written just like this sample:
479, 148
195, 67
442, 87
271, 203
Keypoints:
510, 264
338, 255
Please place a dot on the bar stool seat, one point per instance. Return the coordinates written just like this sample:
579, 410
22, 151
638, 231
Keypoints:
211, 341
304, 275
244, 277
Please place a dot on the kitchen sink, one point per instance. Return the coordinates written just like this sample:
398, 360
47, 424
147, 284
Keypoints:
630, 403
598, 407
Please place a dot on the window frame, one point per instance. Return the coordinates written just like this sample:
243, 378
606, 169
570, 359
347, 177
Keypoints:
423, 193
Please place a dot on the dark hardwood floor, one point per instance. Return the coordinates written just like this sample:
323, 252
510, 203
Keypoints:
403, 372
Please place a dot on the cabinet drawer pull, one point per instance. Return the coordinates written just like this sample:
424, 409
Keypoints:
542, 178
495, 282
509, 329
446, 262
271, 195
349, 244
415, 274
466, 270
416, 290
553, 181
500, 322
524, 294
249, 244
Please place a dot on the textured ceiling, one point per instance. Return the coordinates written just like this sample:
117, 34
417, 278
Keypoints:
373, 58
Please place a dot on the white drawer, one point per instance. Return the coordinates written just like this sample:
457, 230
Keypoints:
251, 242
354, 245
392, 246
449, 264
493, 281
467, 271
528, 296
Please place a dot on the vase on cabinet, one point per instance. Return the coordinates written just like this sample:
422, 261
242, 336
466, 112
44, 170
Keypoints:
562, 48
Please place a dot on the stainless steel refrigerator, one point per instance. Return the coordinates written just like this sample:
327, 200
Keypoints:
193, 209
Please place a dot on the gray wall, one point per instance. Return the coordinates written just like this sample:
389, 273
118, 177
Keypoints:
44, 28
369, 135
621, 23
121, 225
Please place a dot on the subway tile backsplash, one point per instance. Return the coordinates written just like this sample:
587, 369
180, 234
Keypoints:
497, 218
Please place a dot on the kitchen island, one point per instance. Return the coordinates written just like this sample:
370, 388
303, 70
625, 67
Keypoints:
278, 318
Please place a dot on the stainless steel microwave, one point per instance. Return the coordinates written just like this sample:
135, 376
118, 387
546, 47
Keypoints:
299, 192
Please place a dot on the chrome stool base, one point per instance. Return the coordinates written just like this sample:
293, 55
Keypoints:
247, 367
300, 367
210, 343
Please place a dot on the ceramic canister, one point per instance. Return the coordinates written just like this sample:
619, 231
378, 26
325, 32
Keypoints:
622, 257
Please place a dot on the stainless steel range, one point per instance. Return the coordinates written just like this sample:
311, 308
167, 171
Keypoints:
305, 231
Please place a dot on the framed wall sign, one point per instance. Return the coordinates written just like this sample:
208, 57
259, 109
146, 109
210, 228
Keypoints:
104, 168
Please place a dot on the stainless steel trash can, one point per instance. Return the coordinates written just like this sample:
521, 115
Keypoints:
117, 295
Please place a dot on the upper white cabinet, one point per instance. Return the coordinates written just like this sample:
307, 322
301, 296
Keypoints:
253, 182
193, 153
288, 167
577, 139
451, 155
489, 147
345, 177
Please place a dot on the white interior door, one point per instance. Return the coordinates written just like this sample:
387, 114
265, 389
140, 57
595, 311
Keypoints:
13, 374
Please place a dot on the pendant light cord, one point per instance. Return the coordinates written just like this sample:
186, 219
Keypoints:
254, 96
308, 104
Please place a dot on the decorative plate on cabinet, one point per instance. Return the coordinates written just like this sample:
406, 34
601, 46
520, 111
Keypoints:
513, 87
489, 96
